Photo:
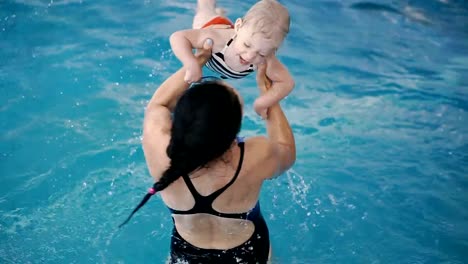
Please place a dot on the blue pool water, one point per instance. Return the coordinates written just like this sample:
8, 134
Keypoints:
379, 114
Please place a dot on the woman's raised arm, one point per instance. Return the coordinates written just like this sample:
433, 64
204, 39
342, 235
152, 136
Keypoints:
157, 122
279, 131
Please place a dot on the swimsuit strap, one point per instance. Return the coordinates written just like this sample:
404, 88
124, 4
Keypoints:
227, 45
190, 186
214, 195
230, 41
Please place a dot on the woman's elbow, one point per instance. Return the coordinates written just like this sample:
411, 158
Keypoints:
176, 37
287, 156
150, 108
290, 83
290, 158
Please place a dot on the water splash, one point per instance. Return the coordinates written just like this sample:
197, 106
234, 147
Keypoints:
299, 188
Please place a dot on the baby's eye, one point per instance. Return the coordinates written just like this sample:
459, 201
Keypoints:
246, 45
262, 55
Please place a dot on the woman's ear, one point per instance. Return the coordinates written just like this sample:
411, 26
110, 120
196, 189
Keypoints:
238, 24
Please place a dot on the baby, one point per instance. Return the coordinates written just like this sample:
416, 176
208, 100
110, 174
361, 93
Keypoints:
238, 48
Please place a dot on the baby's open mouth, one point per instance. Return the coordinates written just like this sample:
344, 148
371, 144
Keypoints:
243, 61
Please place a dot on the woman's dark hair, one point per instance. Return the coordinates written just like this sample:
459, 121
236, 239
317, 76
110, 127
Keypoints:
206, 120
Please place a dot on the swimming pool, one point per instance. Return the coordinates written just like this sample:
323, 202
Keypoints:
379, 114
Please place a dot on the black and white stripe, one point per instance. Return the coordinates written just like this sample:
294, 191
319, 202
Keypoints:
217, 64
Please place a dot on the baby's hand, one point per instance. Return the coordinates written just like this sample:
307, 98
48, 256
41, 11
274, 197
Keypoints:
260, 109
193, 72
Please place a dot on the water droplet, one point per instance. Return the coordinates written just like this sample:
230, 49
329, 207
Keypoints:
364, 216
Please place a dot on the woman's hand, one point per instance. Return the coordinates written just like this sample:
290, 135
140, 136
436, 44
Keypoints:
172, 88
260, 109
193, 71
204, 54
263, 82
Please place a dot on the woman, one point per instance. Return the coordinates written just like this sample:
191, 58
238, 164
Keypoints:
209, 179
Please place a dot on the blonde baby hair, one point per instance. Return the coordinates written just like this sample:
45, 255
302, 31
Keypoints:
269, 18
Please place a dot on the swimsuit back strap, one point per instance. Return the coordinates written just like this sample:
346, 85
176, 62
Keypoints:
194, 192
190, 186
239, 166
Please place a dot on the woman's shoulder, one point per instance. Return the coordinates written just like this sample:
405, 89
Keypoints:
257, 142
261, 146
259, 156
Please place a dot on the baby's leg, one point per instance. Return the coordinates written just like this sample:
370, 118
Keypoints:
206, 10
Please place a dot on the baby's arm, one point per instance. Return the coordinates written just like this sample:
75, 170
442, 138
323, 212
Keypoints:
283, 84
182, 43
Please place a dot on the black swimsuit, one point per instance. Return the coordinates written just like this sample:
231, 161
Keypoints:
254, 250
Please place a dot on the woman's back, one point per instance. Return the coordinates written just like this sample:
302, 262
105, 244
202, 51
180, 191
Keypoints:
209, 180
209, 230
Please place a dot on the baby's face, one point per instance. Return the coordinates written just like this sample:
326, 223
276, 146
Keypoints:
252, 47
